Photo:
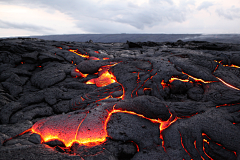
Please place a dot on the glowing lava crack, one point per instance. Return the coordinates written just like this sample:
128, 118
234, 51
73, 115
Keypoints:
86, 128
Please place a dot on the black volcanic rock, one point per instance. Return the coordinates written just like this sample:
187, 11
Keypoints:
137, 100
127, 127
48, 77
90, 67
148, 106
35, 138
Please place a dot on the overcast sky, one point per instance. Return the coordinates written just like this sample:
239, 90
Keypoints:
47, 17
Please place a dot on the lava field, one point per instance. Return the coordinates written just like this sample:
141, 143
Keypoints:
119, 101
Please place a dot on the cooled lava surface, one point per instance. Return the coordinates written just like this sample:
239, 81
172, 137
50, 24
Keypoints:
127, 101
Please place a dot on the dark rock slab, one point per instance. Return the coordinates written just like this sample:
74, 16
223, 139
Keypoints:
6, 74
64, 66
127, 127
12, 130
3, 138
13, 89
221, 94
10, 58
55, 142
69, 56
40, 151
188, 109
35, 138
216, 124
7, 111
195, 93
91, 66
179, 87
61, 107
47, 56
193, 70
4, 98
235, 59
148, 106
48, 77
30, 57
81, 102
31, 112
227, 77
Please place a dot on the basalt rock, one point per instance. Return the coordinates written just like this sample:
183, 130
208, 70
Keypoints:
131, 101
48, 77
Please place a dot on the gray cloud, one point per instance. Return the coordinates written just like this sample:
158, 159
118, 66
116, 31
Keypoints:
230, 13
10, 25
205, 5
116, 14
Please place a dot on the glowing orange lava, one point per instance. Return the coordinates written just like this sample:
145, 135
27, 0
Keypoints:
105, 78
86, 128
197, 79
227, 84
78, 53
232, 65
165, 85
81, 74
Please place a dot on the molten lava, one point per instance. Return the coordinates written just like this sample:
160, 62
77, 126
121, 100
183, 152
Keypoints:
80, 73
197, 79
88, 129
229, 85
105, 78
232, 65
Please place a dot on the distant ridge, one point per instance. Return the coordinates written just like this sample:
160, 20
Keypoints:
122, 38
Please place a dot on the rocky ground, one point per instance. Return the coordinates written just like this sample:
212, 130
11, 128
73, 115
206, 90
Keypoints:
97, 101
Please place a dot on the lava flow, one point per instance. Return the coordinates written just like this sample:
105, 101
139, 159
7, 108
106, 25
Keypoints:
105, 78
87, 129
229, 85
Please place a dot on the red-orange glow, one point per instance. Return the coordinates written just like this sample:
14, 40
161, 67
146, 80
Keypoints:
83, 55
59, 47
166, 124
197, 79
55, 132
39, 66
206, 141
218, 61
105, 58
178, 79
81, 74
227, 105
184, 117
184, 147
133, 113
86, 129
96, 52
232, 65
78, 53
227, 84
94, 58
82, 99
147, 89
164, 85
105, 78
136, 146
215, 69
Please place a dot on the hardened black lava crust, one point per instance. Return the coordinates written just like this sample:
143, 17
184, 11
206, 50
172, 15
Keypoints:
119, 101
